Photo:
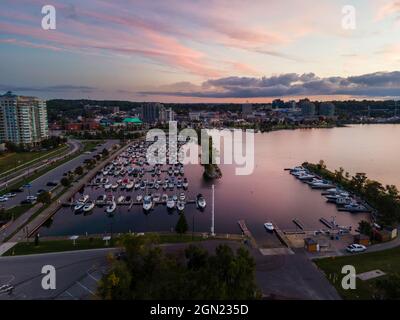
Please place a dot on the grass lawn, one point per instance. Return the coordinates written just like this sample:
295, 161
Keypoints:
388, 261
90, 144
24, 248
9, 161
14, 212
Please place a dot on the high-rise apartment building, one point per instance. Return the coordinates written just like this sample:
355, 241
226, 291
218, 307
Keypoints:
23, 120
151, 112
307, 108
327, 109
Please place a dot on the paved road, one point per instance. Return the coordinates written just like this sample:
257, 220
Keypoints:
55, 175
74, 145
77, 273
291, 276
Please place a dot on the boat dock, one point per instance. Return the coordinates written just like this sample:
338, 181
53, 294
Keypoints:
327, 223
247, 233
298, 223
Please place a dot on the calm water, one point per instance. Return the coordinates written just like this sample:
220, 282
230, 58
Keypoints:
269, 194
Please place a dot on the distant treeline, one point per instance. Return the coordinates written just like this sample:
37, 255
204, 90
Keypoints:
59, 108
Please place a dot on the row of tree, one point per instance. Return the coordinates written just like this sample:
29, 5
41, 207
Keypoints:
147, 272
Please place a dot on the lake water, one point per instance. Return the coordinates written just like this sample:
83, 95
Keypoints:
269, 194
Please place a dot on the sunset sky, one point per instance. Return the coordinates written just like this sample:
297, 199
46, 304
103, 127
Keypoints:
201, 51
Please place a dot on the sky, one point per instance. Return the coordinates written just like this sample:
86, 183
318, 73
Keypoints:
202, 50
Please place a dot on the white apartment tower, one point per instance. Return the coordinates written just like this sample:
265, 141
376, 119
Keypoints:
23, 120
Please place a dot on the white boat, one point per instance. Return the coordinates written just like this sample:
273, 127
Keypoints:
355, 207
114, 186
200, 201
344, 200
129, 185
79, 206
147, 203
107, 186
170, 203
88, 206
137, 185
305, 176
165, 186
111, 207
164, 197
156, 197
182, 171
180, 206
269, 226
120, 199
84, 198
139, 198
182, 196
185, 183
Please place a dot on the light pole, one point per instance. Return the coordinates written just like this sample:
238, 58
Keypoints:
212, 212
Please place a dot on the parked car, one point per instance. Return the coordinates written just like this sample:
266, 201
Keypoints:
10, 195
3, 199
40, 191
34, 198
52, 183
20, 189
354, 248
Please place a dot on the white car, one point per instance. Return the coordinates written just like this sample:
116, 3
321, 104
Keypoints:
353, 248
31, 198
10, 195
5, 288
3, 199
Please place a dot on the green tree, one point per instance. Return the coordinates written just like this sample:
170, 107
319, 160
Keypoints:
65, 182
181, 226
78, 170
365, 228
44, 197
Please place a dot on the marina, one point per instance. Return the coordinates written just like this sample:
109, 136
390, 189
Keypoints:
236, 197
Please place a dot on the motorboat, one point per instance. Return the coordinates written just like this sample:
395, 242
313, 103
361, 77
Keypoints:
84, 199
170, 204
147, 203
88, 206
114, 186
321, 185
165, 186
139, 198
128, 199
164, 197
185, 183
156, 197
129, 185
200, 201
182, 171
180, 206
305, 176
344, 200
120, 199
156, 186
355, 207
137, 185
269, 226
79, 206
182, 196
107, 186
111, 207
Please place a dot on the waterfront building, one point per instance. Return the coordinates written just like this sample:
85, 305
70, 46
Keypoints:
194, 116
23, 120
327, 109
247, 109
151, 112
166, 115
307, 108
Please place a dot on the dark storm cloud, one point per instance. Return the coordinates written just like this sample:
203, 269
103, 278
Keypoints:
379, 84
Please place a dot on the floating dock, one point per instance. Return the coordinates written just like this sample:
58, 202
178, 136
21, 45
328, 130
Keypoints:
247, 233
327, 223
298, 223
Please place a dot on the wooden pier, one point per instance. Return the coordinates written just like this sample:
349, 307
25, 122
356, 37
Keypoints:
247, 233
327, 223
298, 223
